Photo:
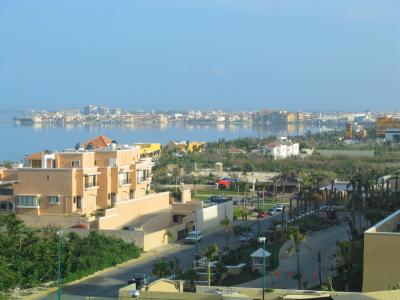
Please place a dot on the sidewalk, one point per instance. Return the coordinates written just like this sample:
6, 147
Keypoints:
324, 241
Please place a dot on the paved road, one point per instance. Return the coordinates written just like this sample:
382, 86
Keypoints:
324, 241
108, 284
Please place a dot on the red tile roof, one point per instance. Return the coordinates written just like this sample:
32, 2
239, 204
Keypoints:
34, 156
100, 141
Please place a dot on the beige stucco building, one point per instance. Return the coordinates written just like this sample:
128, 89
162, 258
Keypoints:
102, 186
77, 182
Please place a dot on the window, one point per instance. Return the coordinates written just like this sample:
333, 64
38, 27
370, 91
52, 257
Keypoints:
78, 202
90, 181
6, 206
112, 162
36, 163
75, 163
28, 201
124, 178
6, 192
140, 176
54, 200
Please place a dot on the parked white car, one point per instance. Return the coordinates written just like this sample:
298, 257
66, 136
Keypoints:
245, 237
193, 236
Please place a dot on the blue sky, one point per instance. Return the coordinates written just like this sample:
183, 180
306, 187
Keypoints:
167, 54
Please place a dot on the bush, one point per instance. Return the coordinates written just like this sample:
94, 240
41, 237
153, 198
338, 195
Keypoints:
28, 257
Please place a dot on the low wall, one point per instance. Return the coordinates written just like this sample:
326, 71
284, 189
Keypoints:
126, 212
63, 221
347, 153
125, 294
192, 187
159, 238
235, 270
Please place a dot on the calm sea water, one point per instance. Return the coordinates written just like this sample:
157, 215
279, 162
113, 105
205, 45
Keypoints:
17, 140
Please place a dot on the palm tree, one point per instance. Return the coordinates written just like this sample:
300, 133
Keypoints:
161, 268
191, 275
226, 223
210, 252
297, 238
176, 173
175, 266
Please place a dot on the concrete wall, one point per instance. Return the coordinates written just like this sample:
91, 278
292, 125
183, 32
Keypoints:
381, 261
127, 211
62, 221
210, 217
382, 255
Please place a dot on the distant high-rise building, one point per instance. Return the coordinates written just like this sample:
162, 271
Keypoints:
103, 110
90, 110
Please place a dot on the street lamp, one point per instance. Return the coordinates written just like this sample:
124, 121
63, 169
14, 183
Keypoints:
197, 249
262, 240
59, 233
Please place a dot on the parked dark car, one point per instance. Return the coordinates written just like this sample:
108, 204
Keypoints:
128, 228
139, 279
219, 199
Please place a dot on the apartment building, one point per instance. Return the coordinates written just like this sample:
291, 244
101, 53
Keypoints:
152, 150
78, 181
282, 150
186, 146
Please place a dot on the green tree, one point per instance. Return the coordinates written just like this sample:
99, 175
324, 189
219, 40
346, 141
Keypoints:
210, 252
161, 268
297, 238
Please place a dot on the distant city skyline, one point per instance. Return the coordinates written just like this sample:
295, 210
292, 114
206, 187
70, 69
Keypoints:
233, 55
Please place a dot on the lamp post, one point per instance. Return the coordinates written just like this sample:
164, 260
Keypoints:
262, 240
59, 233
197, 248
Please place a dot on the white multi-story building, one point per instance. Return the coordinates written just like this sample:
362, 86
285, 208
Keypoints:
282, 150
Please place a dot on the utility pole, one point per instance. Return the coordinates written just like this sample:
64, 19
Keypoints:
197, 249
59, 232
262, 240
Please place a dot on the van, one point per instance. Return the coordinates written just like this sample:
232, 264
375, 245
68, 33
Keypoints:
193, 236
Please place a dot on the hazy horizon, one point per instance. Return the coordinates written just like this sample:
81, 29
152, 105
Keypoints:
234, 55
